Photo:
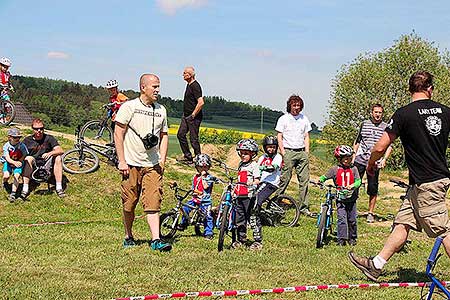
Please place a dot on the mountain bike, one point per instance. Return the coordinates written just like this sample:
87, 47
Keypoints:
83, 157
99, 130
7, 108
170, 221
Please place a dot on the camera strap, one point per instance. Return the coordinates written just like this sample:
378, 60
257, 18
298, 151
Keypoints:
153, 123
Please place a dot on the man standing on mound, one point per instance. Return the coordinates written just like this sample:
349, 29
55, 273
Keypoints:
423, 127
141, 143
192, 116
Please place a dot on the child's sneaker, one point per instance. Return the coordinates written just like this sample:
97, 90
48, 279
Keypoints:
60, 193
342, 242
236, 245
370, 218
12, 198
352, 242
256, 246
129, 242
209, 236
24, 196
160, 245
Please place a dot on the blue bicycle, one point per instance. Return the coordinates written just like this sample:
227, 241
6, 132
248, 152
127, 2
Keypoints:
325, 216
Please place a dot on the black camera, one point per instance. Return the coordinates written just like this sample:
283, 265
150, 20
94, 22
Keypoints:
150, 141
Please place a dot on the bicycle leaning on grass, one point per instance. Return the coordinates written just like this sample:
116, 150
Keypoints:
441, 290
83, 158
7, 108
170, 222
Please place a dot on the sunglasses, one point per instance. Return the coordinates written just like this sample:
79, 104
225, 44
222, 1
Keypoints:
38, 128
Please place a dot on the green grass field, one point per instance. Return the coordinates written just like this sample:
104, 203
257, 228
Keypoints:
85, 260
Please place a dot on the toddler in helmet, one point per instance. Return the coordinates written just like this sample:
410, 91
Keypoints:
270, 167
202, 185
346, 177
249, 174
5, 75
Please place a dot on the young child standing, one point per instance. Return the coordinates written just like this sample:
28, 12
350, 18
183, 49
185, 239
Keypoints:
202, 185
249, 174
270, 167
14, 152
5, 75
346, 178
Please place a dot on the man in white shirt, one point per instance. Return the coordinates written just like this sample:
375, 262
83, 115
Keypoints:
293, 140
141, 142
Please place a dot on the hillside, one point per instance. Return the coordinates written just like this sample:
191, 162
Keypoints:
65, 103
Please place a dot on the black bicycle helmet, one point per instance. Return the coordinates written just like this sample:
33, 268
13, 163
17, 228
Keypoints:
270, 140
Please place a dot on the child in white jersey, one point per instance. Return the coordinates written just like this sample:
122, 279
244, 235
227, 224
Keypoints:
248, 175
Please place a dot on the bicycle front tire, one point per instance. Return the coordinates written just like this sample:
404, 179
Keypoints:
93, 130
223, 230
7, 112
168, 223
322, 227
80, 161
290, 208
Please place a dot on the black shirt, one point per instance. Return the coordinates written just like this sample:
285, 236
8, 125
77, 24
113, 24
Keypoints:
423, 127
44, 145
191, 95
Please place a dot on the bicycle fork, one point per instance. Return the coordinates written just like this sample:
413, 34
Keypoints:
432, 259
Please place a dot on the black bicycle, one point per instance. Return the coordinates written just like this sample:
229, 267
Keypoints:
170, 222
99, 130
7, 108
83, 157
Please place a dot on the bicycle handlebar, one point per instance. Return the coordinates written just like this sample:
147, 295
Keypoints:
322, 185
399, 183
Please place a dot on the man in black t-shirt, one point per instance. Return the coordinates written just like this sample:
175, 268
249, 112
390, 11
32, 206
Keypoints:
43, 150
423, 127
192, 116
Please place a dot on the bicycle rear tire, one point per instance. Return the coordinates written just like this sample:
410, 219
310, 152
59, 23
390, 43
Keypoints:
80, 161
7, 112
94, 130
291, 210
168, 223
223, 230
322, 230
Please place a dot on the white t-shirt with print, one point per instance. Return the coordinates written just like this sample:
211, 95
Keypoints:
271, 177
136, 114
293, 129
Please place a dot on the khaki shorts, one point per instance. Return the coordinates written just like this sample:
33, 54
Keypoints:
144, 183
425, 208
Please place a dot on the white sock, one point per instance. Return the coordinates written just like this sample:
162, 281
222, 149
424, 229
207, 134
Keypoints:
379, 262
25, 188
59, 186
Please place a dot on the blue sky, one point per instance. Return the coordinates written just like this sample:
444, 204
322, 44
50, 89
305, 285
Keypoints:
252, 51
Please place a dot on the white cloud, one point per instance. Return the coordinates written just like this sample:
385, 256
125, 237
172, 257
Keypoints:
57, 55
170, 7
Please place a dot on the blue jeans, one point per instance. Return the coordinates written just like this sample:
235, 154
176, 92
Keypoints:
206, 208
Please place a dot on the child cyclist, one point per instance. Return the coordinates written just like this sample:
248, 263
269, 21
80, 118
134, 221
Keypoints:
115, 99
5, 75
346, 178
14, 152
270, 167
202, 185
248, 175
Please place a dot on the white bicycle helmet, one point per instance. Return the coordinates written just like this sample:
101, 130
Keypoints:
343, 151
202, 160
112, 84
5, 61
247, 144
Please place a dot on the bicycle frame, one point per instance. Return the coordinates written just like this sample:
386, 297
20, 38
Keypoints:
431, 263
107, 151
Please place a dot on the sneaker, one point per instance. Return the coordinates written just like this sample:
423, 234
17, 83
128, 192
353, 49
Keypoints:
160, 245
185, 161
352, 242
256, 246
12, 198
209, 236
309, 213
370, 218
236, 245
24, 195
129, 242
342, 242
365, 265
60, 193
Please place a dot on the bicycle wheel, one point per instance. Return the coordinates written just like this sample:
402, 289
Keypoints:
80, 161
322, 231
7, 112
168, 223
286, 210
95, 131
223, 229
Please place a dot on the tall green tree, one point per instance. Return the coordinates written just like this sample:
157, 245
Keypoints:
383, 78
